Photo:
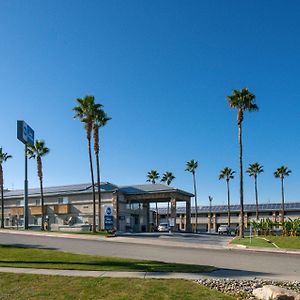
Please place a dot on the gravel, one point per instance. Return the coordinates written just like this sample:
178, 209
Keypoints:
242, 289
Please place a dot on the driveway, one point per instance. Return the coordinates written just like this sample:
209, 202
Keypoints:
233, 263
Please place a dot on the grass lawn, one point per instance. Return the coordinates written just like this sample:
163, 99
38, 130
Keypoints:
287, 242
284, 242
53, 259
21, 286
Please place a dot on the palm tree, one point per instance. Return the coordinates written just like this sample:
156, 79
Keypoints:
254, 170
37, 151
3, 158
85, 112
168, 178
191, 166
281, 173
152, 176
243, 101
227, 173
100, 120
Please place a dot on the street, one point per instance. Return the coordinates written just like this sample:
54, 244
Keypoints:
234, 263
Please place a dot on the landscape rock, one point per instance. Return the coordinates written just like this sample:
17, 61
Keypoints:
242, 289
271, 292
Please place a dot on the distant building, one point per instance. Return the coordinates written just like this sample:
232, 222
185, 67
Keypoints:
124, 208
219, 214
127, 208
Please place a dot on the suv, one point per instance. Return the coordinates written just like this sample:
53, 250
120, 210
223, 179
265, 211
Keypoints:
223, 229
164, 227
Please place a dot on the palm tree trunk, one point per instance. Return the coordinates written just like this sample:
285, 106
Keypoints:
228, 201
241, 233
2, 207
282, 201
196, 204
93, 185
256, 198
2, 197
99, 191
42, 203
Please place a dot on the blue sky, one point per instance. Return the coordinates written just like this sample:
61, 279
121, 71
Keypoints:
162, 70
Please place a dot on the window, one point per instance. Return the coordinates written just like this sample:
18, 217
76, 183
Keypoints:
63, 200
38, 202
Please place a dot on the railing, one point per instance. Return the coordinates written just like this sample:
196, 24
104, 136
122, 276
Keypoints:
37, 210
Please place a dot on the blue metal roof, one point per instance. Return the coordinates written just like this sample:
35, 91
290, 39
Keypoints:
236, 208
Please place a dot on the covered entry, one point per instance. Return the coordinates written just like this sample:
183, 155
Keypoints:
142, 196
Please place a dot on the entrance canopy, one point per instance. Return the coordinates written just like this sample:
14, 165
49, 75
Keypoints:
150, 193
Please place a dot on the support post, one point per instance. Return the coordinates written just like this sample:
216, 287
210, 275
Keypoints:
188, 226
26, 191
173, 214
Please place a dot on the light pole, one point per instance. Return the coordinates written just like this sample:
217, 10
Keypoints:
210, 198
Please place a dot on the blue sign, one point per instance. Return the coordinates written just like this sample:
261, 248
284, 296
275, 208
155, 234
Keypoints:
108, 219
25, 133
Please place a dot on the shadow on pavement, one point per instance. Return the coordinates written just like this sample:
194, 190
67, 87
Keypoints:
34, 246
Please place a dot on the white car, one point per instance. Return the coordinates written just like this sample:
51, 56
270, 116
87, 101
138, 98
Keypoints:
164, 227
223, 229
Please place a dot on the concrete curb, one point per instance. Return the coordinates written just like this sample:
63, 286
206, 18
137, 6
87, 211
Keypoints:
266, 250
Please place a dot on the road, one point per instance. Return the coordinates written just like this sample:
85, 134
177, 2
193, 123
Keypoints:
234, 263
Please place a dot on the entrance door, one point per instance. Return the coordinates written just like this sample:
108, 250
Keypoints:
135, 223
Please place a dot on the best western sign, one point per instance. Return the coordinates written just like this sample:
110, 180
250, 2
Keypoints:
25, 133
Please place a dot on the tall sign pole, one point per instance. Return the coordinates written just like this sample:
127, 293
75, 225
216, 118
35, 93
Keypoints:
26, 135
26, 191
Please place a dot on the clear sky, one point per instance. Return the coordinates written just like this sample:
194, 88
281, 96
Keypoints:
162, 70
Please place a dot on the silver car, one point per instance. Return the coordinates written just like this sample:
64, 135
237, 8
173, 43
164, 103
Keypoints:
164, 227
223, 229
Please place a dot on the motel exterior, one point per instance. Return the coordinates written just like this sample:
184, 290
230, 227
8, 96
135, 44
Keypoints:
127, 209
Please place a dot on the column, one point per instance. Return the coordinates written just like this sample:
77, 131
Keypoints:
214, 222
173, 214
146, 214
115, 206
188, 227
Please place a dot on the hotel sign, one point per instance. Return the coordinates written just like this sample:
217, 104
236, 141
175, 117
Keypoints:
25, 133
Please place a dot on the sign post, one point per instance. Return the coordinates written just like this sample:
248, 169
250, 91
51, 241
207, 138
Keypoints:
25, 134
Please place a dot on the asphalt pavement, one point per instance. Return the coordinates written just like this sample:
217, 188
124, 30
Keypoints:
233, 263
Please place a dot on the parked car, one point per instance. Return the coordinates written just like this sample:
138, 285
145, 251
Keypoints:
164, 227
223, 229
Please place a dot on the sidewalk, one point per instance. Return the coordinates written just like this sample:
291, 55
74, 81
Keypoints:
218, 274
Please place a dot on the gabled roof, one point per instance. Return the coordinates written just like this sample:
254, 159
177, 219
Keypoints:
60, 190
149, 188
87, 188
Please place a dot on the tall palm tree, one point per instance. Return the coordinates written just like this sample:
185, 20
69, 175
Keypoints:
254, 170
281, 173
100, 120
152, 176
85, 112
191, 166
3, 158
227, 173
37, 151
168, 177
243, 101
